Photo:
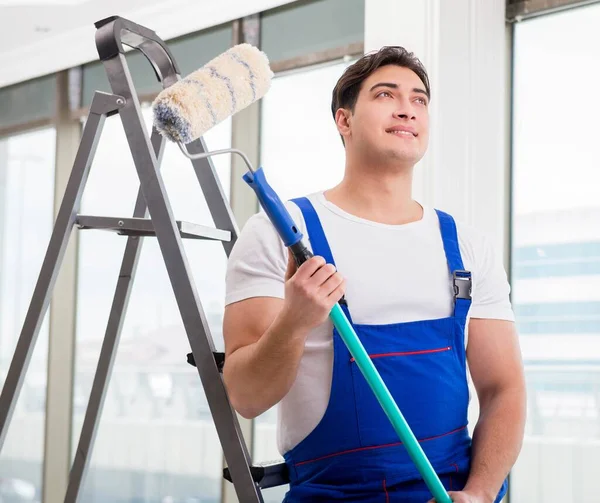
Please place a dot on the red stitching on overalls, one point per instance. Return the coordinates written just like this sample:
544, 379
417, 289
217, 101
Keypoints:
409, 353
387, 495
358, 449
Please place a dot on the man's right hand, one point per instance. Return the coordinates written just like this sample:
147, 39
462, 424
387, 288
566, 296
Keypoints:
311, 291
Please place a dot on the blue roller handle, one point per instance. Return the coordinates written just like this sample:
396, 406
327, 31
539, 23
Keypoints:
292, 237
273, 207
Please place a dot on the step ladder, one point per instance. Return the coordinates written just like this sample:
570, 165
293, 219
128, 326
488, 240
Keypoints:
111, 35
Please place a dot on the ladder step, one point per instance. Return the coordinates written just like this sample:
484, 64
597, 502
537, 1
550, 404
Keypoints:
270, 474
219, 358
145, 227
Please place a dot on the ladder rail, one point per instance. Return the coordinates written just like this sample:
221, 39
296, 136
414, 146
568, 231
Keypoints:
103, 105
110, 344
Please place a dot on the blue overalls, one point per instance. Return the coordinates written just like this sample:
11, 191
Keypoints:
354, 454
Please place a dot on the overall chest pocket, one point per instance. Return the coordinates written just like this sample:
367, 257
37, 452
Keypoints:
426, 375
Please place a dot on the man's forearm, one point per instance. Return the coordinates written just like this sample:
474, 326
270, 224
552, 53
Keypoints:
497, 441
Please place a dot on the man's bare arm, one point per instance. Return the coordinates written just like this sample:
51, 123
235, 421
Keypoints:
261, 354
264, 336
496, 368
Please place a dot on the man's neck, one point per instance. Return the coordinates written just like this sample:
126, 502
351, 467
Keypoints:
377, 194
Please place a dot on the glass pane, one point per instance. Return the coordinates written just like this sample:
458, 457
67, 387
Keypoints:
307, 27
26, 207
193, 51
308, 155
28, 101
556, 254
156, 441
296, 165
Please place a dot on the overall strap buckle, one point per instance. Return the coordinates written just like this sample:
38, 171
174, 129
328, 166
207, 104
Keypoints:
462, 284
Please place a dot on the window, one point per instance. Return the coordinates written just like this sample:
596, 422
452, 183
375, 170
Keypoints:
308, 27
556, 253
26, 209
29, 101
156, 439
300, 157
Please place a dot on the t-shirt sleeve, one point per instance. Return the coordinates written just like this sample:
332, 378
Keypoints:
491, 289
257, 263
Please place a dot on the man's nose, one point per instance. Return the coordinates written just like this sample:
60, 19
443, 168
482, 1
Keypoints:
404, 110
403, 113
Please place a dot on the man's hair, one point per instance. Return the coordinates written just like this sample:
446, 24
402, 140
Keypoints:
345, 92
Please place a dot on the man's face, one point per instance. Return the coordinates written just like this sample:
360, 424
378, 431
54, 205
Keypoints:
391, 117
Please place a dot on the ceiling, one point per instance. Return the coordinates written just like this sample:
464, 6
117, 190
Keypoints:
25, 22
39, 37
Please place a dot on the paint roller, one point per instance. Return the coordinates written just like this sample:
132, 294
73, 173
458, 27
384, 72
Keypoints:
187, 109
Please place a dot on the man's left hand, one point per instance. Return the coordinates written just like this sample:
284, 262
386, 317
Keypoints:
463, 497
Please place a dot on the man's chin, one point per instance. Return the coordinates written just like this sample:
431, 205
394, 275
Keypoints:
411, 157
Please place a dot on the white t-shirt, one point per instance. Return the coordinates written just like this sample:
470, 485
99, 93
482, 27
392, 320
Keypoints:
394, 273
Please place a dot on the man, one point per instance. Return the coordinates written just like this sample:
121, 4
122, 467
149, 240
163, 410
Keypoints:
414, 284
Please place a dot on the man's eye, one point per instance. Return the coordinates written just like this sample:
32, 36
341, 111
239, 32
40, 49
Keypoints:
384, 92
422, 100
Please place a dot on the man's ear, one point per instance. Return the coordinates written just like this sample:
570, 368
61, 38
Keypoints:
343, 120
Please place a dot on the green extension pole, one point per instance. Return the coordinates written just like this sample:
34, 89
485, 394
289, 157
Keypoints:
366, 366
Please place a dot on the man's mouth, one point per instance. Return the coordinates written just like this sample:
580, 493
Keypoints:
402, 131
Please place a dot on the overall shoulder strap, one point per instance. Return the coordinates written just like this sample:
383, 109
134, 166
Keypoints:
316, 235
461, 279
